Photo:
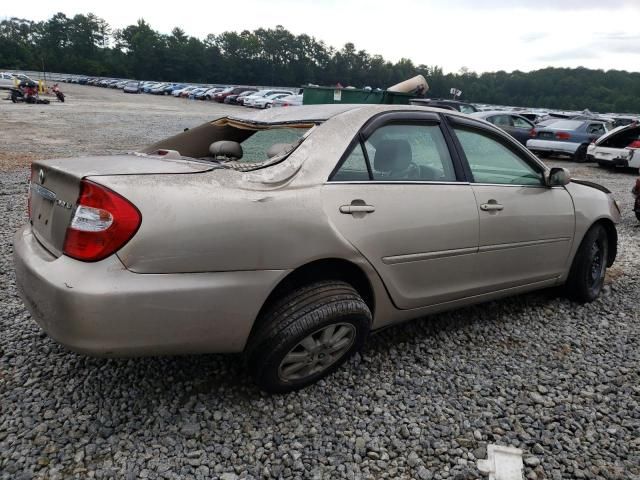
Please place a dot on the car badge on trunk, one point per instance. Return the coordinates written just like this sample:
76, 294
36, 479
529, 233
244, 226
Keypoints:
41, 176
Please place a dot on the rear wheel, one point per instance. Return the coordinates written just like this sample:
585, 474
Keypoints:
586, 277
580, 154
306, 335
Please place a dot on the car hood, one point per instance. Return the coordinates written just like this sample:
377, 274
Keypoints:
588, 183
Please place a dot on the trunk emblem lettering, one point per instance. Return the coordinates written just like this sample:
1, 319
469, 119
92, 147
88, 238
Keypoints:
63, 204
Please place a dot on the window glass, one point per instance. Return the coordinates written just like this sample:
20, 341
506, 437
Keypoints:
501, 120
492, 162
566, 124
354, 167
596, 128
410, 153
256, 147
521, 123
467, 109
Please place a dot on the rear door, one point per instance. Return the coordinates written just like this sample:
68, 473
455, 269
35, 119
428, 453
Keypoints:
400, 197
526, 228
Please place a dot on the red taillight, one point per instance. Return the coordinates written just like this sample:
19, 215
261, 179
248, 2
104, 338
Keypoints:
563, 136
634, 144
637, 184
102, 223
533, 133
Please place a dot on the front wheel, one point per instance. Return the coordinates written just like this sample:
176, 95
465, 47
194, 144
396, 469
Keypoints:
586, 277
306, 335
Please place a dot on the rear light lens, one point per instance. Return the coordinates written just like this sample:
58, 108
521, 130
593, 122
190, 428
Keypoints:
533, 133
634, 144
563, 136
102, 223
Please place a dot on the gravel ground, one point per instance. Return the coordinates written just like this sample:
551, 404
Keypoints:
556, 379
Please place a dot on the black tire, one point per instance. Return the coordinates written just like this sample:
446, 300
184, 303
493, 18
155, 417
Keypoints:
587, 273
604, 165
580, 155
541, 154
298, 315
638, 215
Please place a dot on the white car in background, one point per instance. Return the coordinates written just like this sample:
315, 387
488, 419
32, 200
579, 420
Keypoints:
266, 102
251, 99
288, 101
617, 148
7, 80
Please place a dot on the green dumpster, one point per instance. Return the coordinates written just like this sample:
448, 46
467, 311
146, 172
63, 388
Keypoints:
324, 95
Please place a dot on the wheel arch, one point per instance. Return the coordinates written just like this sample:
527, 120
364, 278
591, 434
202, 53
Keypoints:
323, 269
612, 237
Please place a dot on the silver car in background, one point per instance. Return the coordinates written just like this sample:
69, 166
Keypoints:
290, 234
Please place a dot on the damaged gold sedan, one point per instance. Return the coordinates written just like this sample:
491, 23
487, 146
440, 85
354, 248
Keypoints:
292, 233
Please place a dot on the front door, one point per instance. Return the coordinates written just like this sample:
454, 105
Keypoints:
399, 200
526, 228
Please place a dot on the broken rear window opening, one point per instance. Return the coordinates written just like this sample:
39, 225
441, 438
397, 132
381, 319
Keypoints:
622, 139
237, 144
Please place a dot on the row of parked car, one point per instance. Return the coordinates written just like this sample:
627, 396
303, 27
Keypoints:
583, 136
247, 96
609, 140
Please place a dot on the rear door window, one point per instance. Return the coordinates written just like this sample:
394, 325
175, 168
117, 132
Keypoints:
521, 123
401, 152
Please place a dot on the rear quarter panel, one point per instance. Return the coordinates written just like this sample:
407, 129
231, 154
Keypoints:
207, 223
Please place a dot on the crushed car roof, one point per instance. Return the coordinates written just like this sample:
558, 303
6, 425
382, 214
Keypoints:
314, 113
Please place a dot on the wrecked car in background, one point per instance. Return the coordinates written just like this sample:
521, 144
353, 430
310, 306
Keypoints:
291, 233
618, 148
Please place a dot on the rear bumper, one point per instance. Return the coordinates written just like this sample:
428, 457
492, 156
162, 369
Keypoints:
104, 309
552, 146
613, 158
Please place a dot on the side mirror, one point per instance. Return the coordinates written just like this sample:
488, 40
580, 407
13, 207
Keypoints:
558, 177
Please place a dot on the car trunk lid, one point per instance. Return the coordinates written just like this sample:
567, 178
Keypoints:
55, 186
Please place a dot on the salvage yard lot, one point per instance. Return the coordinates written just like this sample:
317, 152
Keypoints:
559, 380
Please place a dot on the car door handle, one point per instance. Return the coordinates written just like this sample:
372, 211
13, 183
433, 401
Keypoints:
357, 208
491, 206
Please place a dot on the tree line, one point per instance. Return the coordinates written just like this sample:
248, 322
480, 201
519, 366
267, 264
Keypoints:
86, 44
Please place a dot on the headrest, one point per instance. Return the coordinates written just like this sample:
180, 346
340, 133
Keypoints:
278, 149
226, 150
392, 155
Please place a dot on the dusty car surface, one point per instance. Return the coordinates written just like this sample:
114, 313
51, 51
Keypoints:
290, 234
617, 148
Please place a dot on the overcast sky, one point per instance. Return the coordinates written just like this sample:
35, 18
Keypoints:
483, 35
